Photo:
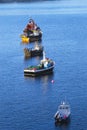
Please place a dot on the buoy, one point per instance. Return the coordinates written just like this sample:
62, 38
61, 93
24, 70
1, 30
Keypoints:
25, 39
52, 81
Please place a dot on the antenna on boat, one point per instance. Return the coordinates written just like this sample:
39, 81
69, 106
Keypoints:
66, 100
36, 45
44, 55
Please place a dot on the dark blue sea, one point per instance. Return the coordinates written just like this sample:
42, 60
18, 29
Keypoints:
28, 103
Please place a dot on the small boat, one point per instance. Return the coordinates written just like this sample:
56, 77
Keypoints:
31, 52
63, 113
32, 31
45, 66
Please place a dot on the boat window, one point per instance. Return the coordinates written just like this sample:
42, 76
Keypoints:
60, 107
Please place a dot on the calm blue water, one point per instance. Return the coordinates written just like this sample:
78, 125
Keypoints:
30, 103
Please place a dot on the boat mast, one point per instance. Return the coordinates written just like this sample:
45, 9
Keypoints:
44, 55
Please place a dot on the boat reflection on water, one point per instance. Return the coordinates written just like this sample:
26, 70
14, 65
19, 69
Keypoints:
44, 80
38, 58
63, 125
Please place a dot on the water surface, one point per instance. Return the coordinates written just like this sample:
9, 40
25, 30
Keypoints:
28, 103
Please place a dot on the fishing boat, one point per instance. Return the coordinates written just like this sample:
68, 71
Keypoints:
63, 112
31, 31
36, 51
45, 67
